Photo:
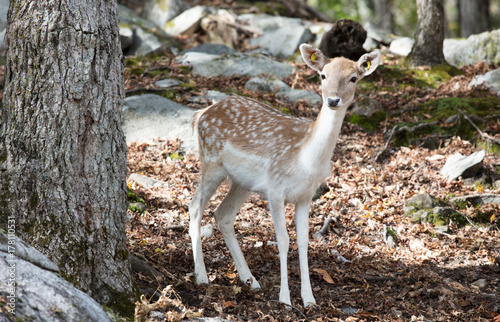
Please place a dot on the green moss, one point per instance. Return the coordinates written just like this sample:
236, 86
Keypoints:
191, 85
134, 209
286, 111
441, 118
138, 71
489, 146
176, 156
132, 197
369, 123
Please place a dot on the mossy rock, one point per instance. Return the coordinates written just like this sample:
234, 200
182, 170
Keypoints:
403, 76
369, 123
442, 118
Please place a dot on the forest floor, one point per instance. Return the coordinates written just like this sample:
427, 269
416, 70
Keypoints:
425, 275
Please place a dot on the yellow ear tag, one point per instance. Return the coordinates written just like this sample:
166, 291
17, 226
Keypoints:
368, 64
313, 56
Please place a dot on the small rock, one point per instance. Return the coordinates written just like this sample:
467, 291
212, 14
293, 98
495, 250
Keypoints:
161, 11
443, 229
443, 211
466, 166
145, 181
402, 46
207, 230
166, 83
409, 210
490, 80
419, 216
366, 106
216, 96
424, 201
187, 22
481, 283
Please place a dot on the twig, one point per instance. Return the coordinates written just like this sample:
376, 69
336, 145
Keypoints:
378, 278
484, 135
291, 306
320, 233
377, 158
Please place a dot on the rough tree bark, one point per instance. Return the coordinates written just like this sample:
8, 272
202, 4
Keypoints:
474, 16
429, 37
62, 150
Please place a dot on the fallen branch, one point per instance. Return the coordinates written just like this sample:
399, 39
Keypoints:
143, 307
321, 233
290, 306
377, 278
484, 135
379, 155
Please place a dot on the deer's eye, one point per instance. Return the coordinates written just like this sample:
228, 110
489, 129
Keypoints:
323, 76
353, 79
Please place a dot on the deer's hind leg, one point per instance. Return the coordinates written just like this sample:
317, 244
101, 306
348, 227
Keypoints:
225, 215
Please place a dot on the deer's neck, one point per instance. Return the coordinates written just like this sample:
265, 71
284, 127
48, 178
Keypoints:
321, 138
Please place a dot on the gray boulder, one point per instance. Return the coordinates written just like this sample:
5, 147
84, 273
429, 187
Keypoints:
161, 11
282, 90
477, 199
126, 36
240, 64
151, 116
377, 34
460, 165
39, 294
284, 41
490, 80
215, 96
147, 37
187, 22
212, 49
166, 83
476, 48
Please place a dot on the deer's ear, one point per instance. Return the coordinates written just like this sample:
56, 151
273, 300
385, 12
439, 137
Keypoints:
368, 63
313, 57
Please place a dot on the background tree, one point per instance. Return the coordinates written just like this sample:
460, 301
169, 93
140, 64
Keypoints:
384, 14
63, 153
474, 16
428, 47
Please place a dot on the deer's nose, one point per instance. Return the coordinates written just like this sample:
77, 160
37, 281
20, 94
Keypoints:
333, 101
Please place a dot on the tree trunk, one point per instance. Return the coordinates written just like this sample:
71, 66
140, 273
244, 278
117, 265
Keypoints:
474, 16
62, 150
428, 47
385, 17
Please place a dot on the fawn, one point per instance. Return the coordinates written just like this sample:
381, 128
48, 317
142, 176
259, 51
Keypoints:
282, 157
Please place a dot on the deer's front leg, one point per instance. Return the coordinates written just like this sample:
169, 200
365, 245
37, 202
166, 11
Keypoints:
302, 224
277, 206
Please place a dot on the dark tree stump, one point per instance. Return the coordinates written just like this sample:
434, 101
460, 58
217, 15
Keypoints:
346, 39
